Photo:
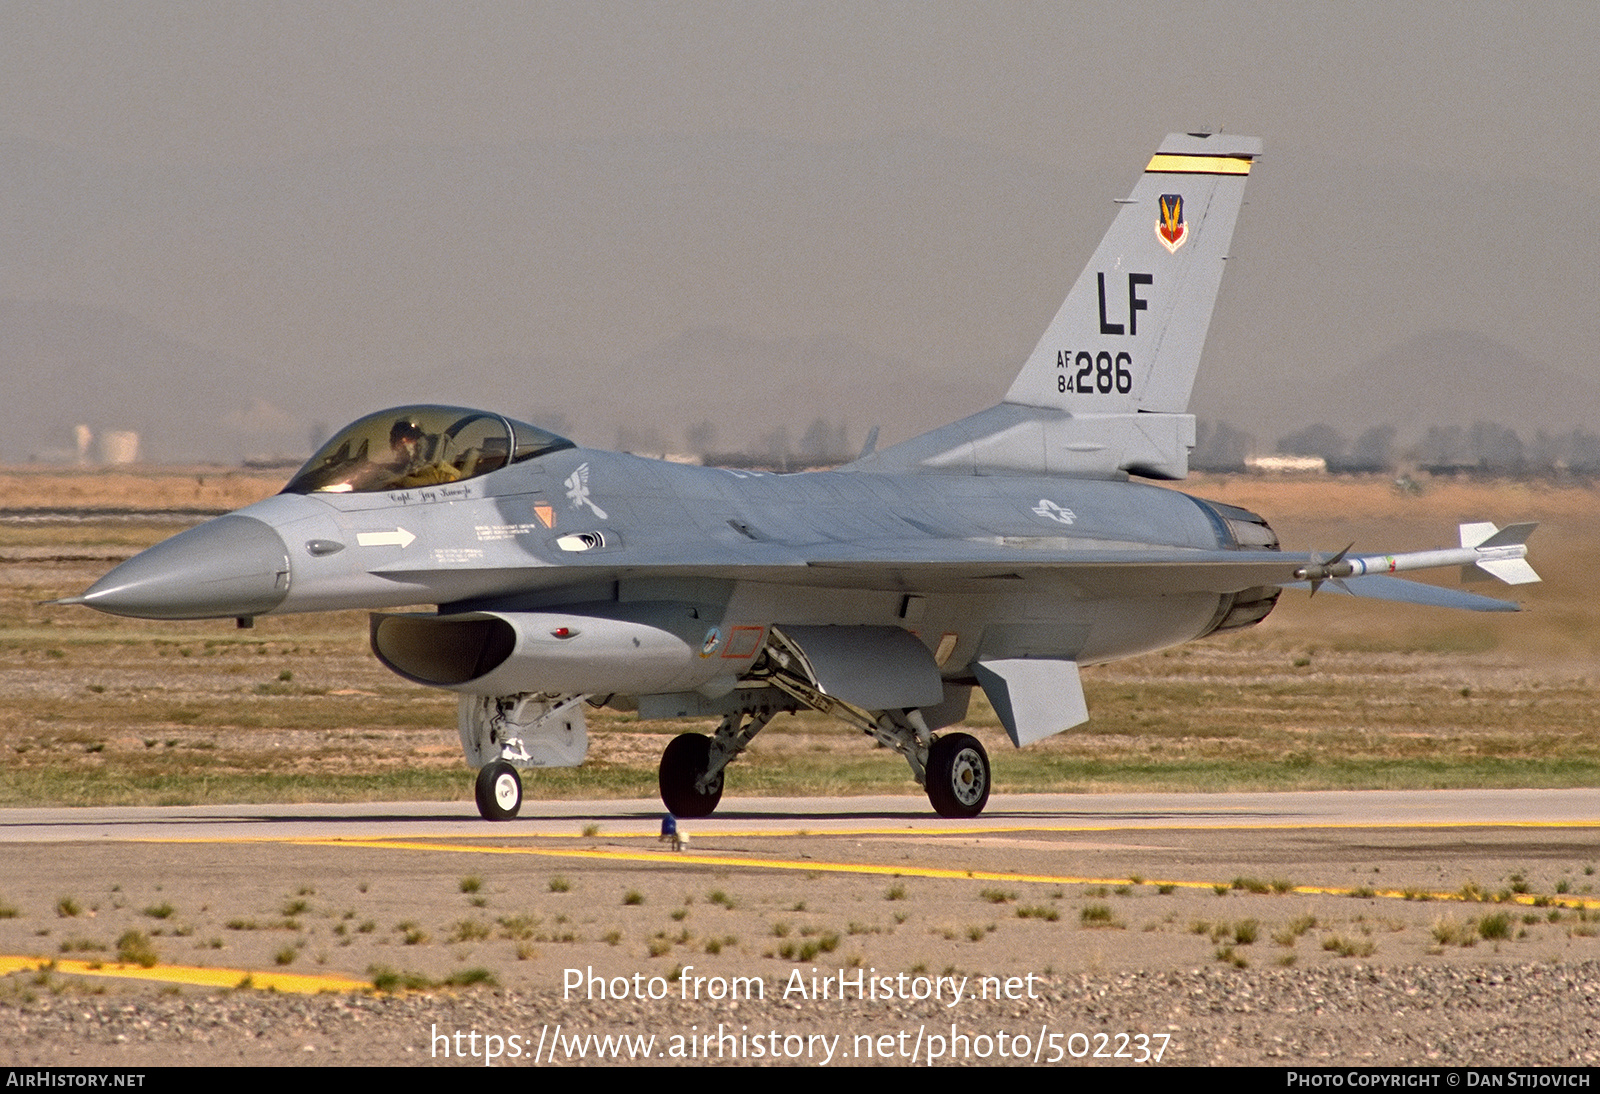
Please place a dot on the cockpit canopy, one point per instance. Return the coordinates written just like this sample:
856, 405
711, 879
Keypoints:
412, 446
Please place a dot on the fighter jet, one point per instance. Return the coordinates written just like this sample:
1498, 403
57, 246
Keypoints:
1001, 552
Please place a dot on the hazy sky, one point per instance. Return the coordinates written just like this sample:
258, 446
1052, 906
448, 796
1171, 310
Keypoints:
1487, 106
1493, 88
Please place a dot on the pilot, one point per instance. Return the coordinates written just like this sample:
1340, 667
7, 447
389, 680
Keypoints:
410, 465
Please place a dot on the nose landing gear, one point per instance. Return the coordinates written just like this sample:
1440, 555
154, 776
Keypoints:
499, 791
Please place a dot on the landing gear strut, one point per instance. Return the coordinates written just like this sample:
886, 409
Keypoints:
499, 733
953, 769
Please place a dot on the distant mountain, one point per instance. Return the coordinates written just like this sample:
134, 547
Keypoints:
746, 389
74, 364
627, 285
641, 287
1454, 377
68, 365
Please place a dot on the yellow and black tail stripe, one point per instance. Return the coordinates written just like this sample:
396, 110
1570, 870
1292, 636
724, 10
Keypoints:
1171, 163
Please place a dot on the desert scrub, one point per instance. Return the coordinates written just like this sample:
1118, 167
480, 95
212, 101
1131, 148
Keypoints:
135, 948
1096, 915
470, 930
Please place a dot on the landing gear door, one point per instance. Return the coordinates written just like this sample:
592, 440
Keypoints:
523, 730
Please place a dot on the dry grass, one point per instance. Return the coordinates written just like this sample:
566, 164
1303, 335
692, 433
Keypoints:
140, 488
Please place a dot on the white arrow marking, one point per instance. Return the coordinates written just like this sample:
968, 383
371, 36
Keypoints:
397, 538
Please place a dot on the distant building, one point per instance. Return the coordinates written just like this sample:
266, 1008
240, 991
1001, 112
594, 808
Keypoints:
119, 446
1315, 464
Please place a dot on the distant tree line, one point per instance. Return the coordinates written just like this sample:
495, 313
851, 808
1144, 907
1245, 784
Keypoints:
1220, 447
1487, 448
823, 444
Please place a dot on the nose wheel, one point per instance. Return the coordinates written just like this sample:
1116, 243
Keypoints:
958, 776
499, 791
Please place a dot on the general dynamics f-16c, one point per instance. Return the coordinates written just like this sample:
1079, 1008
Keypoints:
1002, 551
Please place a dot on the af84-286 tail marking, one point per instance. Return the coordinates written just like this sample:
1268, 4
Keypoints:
1163, 257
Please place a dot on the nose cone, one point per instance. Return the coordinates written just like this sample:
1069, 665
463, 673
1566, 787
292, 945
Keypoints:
233, 565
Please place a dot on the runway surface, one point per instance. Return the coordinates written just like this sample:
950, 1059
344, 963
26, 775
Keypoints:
1056, 812
1064, 882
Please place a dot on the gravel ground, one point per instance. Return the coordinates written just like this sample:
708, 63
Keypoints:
1192, 975
1352, 1015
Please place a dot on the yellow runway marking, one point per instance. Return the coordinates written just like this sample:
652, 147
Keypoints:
295, 983
818, 866
987, 830
310, 984
449, 844
668, 858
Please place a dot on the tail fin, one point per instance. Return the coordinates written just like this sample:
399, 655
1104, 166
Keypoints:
1501, 552
1106, 392
1129, 336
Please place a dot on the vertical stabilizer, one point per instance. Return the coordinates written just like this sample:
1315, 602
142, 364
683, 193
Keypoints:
1129, 336
1106, 392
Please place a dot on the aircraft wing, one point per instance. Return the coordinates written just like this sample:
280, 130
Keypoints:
1147, 573
963, 565
1092, 573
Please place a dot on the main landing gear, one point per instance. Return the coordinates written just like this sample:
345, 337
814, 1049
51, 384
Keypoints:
954, 769
686, 788
958, 776
692, 765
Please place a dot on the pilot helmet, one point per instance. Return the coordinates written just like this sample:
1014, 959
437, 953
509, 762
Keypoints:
404, 430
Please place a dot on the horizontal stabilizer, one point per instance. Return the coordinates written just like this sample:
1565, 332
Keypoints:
1379, 587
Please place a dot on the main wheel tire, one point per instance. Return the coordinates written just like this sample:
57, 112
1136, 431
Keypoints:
499, 791
958, 776
682, 763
